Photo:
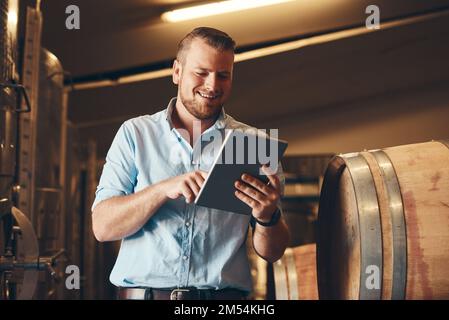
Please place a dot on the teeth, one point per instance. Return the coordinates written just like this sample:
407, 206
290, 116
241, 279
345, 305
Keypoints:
207, 96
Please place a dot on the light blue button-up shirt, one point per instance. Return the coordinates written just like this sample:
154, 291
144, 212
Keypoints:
181, 245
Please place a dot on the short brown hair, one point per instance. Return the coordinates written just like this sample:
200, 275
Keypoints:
213, 37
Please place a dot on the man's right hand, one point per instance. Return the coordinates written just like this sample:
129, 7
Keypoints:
121, 216
187, 185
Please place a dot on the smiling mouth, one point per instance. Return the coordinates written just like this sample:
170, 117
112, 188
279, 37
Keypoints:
208, 96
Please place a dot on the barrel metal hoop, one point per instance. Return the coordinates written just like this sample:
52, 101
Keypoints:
292, 276
396, 208
370, 227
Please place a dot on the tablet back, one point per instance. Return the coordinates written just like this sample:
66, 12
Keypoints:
241, 152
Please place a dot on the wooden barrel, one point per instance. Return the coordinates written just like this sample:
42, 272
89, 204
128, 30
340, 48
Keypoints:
295, 274
383, 224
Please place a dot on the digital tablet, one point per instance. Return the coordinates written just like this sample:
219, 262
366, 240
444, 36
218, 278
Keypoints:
241, 152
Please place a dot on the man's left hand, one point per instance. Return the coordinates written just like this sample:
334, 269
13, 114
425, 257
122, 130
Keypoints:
262, 198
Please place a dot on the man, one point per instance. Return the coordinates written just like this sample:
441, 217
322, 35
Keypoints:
171, 248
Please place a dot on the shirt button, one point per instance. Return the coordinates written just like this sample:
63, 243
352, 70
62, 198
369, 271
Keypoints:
187, 224
184, 257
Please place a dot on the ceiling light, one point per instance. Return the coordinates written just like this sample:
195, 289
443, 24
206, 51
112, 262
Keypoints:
216, 8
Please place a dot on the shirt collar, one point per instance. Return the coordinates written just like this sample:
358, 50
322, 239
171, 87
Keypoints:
220, 123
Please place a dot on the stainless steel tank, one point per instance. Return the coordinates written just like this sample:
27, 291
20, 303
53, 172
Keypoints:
48, 191
8, 95
20, 257
8, 122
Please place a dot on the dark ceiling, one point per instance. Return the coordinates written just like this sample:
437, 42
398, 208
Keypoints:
118, 35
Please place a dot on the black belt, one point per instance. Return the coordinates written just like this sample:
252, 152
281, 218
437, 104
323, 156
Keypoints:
179, 294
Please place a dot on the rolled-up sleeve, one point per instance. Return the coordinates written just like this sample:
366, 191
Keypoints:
119, 172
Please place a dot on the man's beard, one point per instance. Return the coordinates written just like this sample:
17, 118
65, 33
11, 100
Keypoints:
200, 110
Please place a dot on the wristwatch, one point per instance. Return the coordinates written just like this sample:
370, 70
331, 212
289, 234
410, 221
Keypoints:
274, 219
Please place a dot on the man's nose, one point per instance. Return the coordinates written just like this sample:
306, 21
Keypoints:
211, 82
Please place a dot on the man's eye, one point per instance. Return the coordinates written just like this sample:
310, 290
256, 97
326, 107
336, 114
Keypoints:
223, 76
201, 74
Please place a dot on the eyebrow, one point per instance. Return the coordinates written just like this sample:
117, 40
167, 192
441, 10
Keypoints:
205, 69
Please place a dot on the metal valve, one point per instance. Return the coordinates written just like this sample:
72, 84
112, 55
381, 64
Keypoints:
29, 260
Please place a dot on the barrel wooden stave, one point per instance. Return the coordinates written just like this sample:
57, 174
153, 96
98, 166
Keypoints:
295, 274
422, 174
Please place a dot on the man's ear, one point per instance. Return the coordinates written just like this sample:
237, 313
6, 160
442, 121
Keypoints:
176, 71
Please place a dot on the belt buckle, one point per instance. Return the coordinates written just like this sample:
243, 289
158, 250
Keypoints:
174, 293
